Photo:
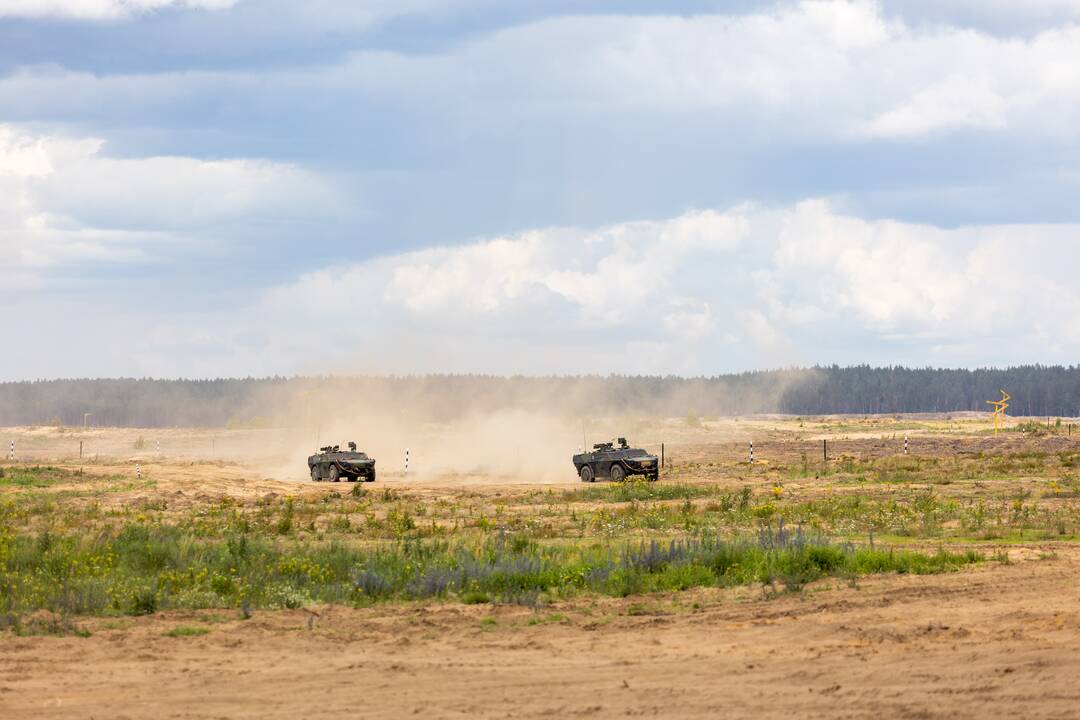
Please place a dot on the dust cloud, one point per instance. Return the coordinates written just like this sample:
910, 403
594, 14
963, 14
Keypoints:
507, 428
523, 429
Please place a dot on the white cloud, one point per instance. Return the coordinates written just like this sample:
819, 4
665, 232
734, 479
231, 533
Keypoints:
817, 68
101, 9
1010, 17
821, 68
289, 16
834, 68
801, 284
954, 102
65, 201
704, 292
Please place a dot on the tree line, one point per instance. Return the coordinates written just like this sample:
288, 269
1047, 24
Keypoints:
1037, 390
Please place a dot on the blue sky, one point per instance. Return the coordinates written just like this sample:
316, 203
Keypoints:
234, 187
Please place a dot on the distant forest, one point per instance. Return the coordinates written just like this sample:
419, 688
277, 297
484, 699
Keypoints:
1036, 391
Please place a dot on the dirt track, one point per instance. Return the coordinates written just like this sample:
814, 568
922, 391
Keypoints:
998, 641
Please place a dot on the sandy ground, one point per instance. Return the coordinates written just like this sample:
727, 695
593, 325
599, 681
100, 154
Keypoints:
997, 641
245, 466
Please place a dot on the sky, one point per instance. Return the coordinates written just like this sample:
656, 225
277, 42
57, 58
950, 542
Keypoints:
202, 188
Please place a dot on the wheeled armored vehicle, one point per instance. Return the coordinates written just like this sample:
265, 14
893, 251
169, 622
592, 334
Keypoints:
334, 464
608, 461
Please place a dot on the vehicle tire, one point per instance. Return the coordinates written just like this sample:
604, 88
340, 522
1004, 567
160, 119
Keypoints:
587, 474
315, 473
654, 478
370, 478
617, 473
335, 475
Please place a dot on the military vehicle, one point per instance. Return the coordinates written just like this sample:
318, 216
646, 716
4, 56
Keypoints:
616, 463
334, 464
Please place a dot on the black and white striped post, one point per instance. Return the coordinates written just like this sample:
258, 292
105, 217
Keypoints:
406, 461
751, 452
138, 472
11, 453
905, 444
158, 444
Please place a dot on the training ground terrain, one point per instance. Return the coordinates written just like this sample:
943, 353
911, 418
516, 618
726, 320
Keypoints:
198, 573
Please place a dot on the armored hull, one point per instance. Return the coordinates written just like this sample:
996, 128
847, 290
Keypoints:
616, 462
334, 465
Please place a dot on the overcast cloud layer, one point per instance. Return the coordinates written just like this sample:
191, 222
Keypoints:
219, 187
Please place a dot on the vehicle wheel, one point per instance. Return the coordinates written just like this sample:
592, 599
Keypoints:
617, 473
370, 478
587, 474
335, 476
654, 478
315, 473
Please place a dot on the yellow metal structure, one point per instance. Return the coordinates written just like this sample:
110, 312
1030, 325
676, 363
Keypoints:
1000, 406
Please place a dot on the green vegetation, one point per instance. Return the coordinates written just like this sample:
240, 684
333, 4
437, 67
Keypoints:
918, 469
44, 476
146, 567
41, 624
70, 547
33, 477
186, 631
639, 490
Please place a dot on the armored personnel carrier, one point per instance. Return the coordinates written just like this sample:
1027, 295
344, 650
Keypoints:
334, 464
607, 460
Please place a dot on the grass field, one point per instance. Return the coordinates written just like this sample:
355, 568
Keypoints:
379, 545
87, 548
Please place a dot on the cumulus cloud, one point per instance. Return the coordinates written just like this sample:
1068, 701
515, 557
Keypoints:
579, 99
825, 68
1004, 17
816, 68
100, 9
608, 275
704, 292
286, 15
66, 201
